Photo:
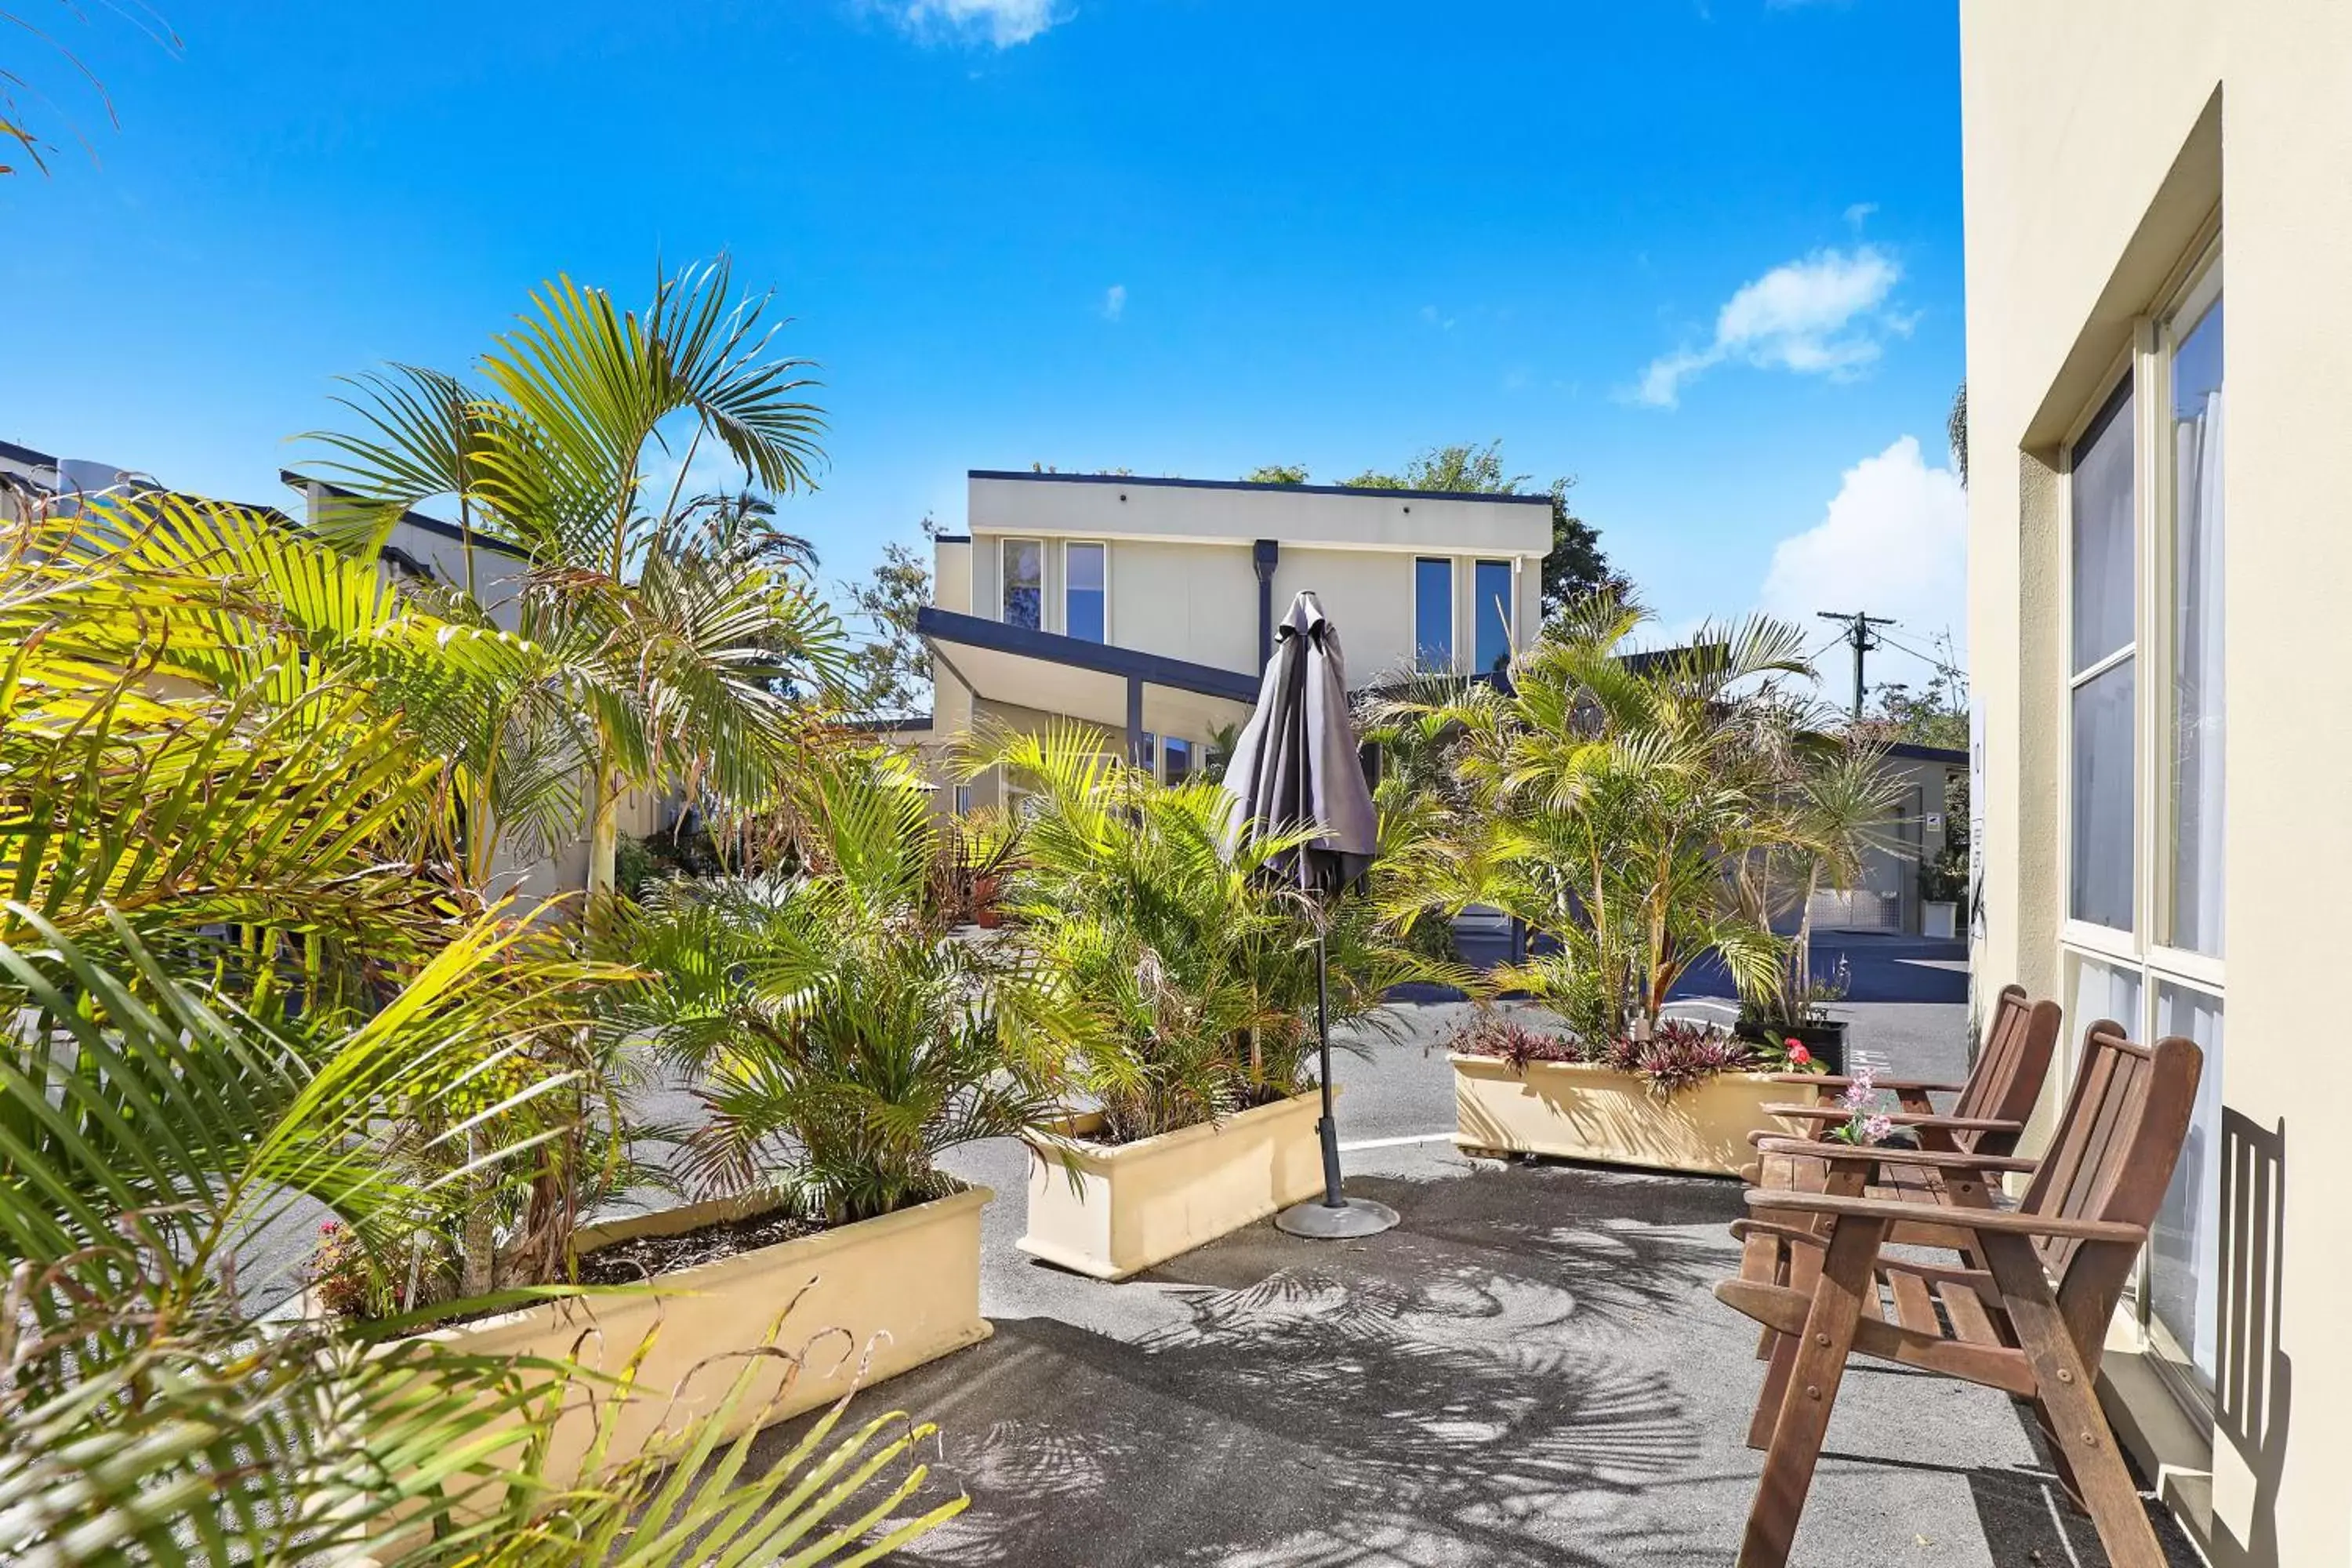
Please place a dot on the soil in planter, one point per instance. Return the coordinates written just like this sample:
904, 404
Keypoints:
1103, 1138
642, 1258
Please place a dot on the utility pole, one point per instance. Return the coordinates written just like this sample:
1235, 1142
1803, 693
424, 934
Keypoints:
1858, 633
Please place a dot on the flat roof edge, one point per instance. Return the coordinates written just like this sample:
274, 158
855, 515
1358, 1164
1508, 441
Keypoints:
1543, 500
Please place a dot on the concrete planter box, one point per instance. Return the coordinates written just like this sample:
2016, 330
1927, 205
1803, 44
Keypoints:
1139, 1203
1575, 1111
1939, 918
907, 1285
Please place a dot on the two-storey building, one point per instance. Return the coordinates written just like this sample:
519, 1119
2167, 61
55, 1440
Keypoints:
1146, 606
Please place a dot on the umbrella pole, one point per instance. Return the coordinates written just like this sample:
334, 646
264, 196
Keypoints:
1329, 1127
1334, 1217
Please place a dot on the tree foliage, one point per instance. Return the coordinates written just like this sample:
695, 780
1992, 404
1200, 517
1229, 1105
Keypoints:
673, 639
889, 675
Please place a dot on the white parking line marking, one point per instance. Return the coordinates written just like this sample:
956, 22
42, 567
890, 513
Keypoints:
1397, 1143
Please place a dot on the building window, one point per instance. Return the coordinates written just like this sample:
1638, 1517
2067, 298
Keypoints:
2143, 862
1147, 752
1025, 582
1492, 580
2099, 880
2192, 916
1180, 758
1432, 614
1085, 608
963, 800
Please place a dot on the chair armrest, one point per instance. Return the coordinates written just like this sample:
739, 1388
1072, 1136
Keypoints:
1878, 1154
1999, 1222
1831, 1080
1899, 1118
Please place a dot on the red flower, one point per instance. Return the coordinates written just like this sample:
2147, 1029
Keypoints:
1799, 1057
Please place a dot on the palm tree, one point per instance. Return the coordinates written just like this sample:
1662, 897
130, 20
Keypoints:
676, 637
1606, 799
237, 996
840, 1040
1192, 972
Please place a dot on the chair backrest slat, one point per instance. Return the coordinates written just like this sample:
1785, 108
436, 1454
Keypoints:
2010, 1071
2000, 1045
2120, 1138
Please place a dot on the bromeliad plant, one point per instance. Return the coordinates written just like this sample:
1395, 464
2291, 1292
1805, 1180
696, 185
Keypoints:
1683, 1052
841, 1039
1189, 972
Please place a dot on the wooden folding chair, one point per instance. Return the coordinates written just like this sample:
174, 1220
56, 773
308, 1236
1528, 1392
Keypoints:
1993, 1103
2026, 1311
1988, 1119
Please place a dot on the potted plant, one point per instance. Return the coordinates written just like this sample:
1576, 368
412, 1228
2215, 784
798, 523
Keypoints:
1607, 802
1943, 886
1189, 978
839, 1041
1796, 1013
1686, 1098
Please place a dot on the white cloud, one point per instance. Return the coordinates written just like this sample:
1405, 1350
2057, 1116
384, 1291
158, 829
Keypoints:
1114, 302
1859, 214
1894, 541
1003, 23
1822, 315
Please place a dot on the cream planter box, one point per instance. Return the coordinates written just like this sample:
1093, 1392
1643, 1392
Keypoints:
903, 1290
1576, 1111
1135, 1204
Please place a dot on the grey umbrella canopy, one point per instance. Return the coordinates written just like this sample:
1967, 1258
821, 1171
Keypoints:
1296, 767
1296, 764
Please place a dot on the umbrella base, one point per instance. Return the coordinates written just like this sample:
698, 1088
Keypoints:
1319, 1221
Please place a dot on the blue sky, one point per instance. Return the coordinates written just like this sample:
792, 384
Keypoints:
1704, 254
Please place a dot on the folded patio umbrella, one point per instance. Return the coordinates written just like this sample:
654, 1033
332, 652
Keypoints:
1297, 766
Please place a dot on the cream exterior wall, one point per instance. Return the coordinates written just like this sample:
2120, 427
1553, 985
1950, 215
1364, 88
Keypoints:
2099, 136
1181, 580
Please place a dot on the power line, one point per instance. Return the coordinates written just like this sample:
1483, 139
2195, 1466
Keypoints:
1860, 632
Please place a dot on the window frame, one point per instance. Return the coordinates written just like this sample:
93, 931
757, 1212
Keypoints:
1103, 545
2147, 364
1005, 542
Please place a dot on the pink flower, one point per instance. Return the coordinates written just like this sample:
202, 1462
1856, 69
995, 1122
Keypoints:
1877, 1129
1799, 1057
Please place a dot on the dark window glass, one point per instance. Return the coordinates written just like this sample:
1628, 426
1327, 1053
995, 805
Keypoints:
1082, 571
1025, 582
1432, 614
1493, 582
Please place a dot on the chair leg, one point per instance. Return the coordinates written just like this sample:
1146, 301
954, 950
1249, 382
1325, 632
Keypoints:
1815, 1370
1797, 1267
2058, 1460
2070, 1405
1782, 1355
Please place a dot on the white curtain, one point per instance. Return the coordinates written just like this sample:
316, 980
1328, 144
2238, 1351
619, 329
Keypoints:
2198, 707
